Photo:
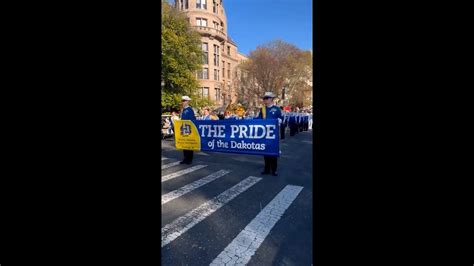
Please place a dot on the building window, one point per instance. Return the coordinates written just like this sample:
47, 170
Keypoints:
222, 25
201, 4
216, 55
218, 94
223, 69
184, 4
205, 92
203, 74
228, 50
201, 22
205, 56
214, 7
216, 74
228, 70
216, 25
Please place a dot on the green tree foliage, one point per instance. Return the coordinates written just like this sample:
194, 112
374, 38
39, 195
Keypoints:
170, 100
181, 56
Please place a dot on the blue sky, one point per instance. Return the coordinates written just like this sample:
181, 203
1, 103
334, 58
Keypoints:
255, 22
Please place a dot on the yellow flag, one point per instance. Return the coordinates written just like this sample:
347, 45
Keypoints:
186, 135
264, 112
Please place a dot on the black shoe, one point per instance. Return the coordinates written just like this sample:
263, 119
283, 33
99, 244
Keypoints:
183, 162
265, 173
188, 162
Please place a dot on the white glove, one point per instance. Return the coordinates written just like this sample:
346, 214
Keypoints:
279, 121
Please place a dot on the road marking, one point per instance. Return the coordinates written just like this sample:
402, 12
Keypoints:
202, 153
246, 243
190, 187
164, 166
182, 172
163, 158
182, 224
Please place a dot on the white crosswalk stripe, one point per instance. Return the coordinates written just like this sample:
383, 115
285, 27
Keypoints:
182, 172
182, 224
163, 158
244, 246
190, 187
164, 166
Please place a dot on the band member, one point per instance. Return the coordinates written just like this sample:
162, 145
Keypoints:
187, 114
270, 111
284, 123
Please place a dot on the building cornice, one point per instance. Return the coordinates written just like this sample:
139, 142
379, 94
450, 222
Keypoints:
230, 57
210, 31
204, 14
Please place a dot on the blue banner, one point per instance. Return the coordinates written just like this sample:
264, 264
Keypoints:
254, 136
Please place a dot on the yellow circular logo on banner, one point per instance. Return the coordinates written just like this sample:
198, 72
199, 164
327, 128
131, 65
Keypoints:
186, 136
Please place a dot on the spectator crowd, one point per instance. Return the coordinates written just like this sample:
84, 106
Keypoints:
296, 119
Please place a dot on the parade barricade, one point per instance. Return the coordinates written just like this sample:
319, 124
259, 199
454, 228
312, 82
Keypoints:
256, 136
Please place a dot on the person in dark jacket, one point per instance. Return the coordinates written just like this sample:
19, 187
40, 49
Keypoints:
270, 111
187, 114
283, 124
292, 124
221, 116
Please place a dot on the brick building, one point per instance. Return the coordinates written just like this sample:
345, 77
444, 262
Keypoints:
220, 52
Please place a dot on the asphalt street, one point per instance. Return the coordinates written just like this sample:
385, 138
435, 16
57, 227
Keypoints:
221, 210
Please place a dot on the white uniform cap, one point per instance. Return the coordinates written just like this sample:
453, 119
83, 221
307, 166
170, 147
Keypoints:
269, 94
